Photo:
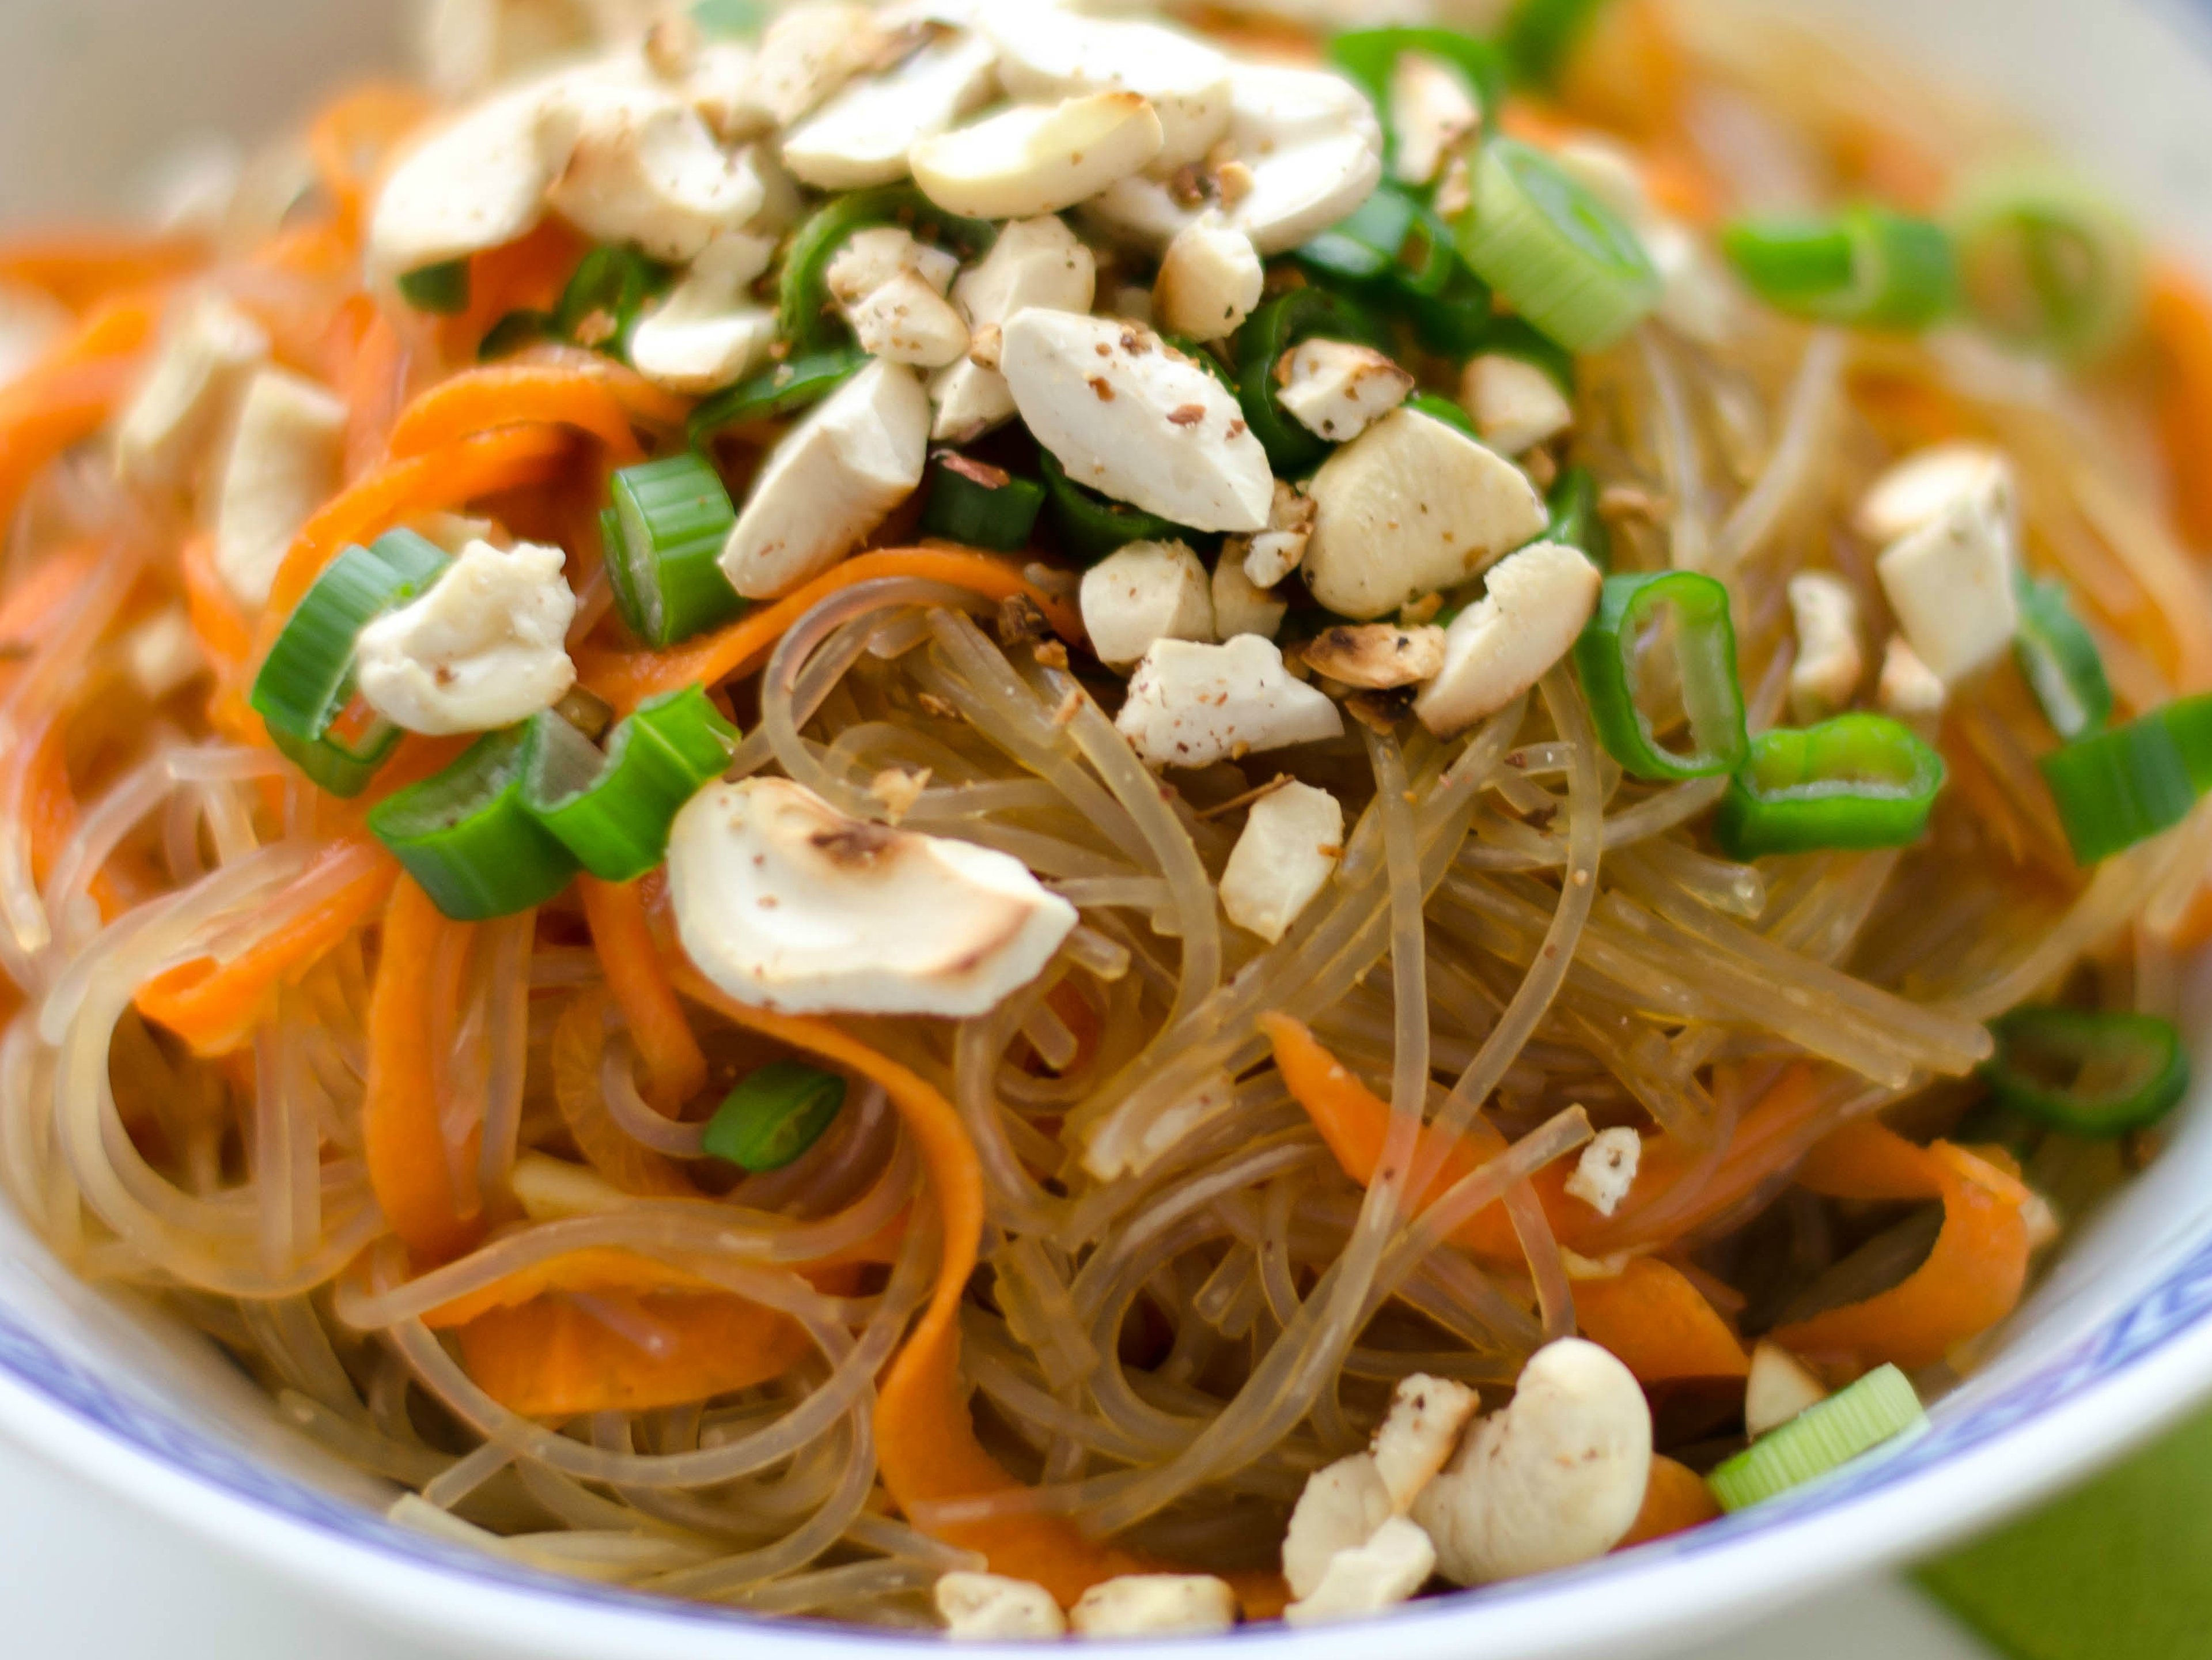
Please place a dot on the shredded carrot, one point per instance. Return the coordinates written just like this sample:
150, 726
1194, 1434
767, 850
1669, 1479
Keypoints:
627, 678
402, 1141
608, 1269
79, 269
579, 1044
221, 627
371, 372
675, 1068
621, 1351
1676, 1500
1353, 1120
600, 398
926, 1441
447, 479
354, 138
2178, 318
1973, 1277
215, 1006
527, 274
1658, 1324
24, 613
70, 392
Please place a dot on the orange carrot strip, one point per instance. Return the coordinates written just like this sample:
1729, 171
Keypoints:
403, 1142
590, 399
372, 376
627, 678
527, 274
355, 136
1973, 1277
79, 269
2179, 320
556, 1358
926, 1441
447, 479
68, 394
1353, 1120
1658, 1324
24, 612
223, 630
579, 1043
609, 1268
675, 1068
1676, 1500
215, 1006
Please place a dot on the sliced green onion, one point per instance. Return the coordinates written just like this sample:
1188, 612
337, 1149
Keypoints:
2118, 788
336, 765
1539, 35
671, 518
468, 838
731, 19
2050, 263
980, 506
1437, 407
2060, 660
605, 297
805, 316
1455, 323
518, 331
1881, 1406
1576, 521
1859, 780
1368, 56
440, 289
2092, 1072
1550, 248
1277, 327
612, 809
1868, 266
789, 387
774, 1115
1392, 242
1092, 526
308, 674
1686, 614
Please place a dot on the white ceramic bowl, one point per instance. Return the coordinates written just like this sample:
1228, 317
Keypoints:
2117, 1344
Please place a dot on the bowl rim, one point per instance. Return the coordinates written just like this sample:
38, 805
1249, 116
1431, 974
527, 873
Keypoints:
2137, 1370
2134, 1372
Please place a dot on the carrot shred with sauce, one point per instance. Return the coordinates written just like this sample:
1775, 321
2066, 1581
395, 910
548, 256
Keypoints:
527, 274
601, 400
578, 1045
215, 1006
402, 1141
556, 1357
927, 1446
627, 678
371, 374
72, 390
1658, 1324
622, 934
1676, 1500
79, 269
1971, 1280
444, 480
2178, 318
355, 138
1353, 1120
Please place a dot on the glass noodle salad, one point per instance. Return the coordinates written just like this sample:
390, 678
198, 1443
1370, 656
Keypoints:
985, 816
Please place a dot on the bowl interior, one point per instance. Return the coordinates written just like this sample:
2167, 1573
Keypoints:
93, 91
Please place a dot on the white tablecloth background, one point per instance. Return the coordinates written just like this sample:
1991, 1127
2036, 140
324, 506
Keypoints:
83, 1576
